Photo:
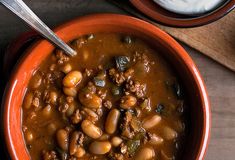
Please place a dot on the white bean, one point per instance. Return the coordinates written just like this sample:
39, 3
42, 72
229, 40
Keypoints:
71, 109
116, 141
85, 54
165, 157
66, 68
29, 136
100, 147
150, 122
80, 152
62, 139
156, 140
28, 99
146, 153
36, 80
90, 129
72, 79
104, 137
51, 128
72, 91
46, 111
90, 100
112, 121
91, 114
169, 133
53, 97
128, 101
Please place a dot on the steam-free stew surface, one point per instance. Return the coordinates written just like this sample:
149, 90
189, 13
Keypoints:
117, 99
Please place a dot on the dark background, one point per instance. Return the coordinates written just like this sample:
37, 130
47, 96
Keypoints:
220, 81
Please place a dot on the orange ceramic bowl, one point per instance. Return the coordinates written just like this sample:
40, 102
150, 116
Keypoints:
199, 110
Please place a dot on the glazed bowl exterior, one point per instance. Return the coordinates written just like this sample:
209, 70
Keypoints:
199, 110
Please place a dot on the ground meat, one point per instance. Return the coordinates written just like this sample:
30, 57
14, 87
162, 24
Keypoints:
91, 87
120, 77
118, 156
123, 148
145, 104
46, 96
99, 112
61, 57
37, 94
142, 64
53, 77
24, 128
32, 115
48, 79
137, 112
116, 76
107, 104
69, 99
80, 139
63, 107
135, 124
93, 158
128, 117
125, 126
69, 128
148, 137
63, 156
76, 141
49, 155
136, 87
102, 93
72, 158
50, 97
76, 117
128, 74
36, 102
52, 67
115, 156
130, 125
126, 132
141, 57
89, 115
100, 67
79, 42
88, 72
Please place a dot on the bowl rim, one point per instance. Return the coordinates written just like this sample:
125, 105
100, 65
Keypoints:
108, 18
147, 7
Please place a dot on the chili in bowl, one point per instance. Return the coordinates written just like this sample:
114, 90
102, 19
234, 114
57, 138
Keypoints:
132, 92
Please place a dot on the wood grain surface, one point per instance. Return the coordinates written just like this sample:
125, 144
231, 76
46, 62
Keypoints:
219, 80
216, 40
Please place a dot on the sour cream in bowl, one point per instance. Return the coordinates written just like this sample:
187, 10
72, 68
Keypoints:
189, 7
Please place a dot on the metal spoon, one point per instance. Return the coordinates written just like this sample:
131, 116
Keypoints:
24, 12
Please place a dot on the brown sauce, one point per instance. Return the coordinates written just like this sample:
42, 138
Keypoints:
68, 100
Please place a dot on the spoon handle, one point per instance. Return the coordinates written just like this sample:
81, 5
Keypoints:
24, 12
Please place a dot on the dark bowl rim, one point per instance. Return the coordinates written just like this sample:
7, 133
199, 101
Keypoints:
187, 22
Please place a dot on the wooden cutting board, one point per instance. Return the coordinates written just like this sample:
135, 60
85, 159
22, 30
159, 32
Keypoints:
215, 40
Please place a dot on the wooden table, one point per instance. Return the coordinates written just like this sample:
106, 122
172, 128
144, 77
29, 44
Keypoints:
220, 81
